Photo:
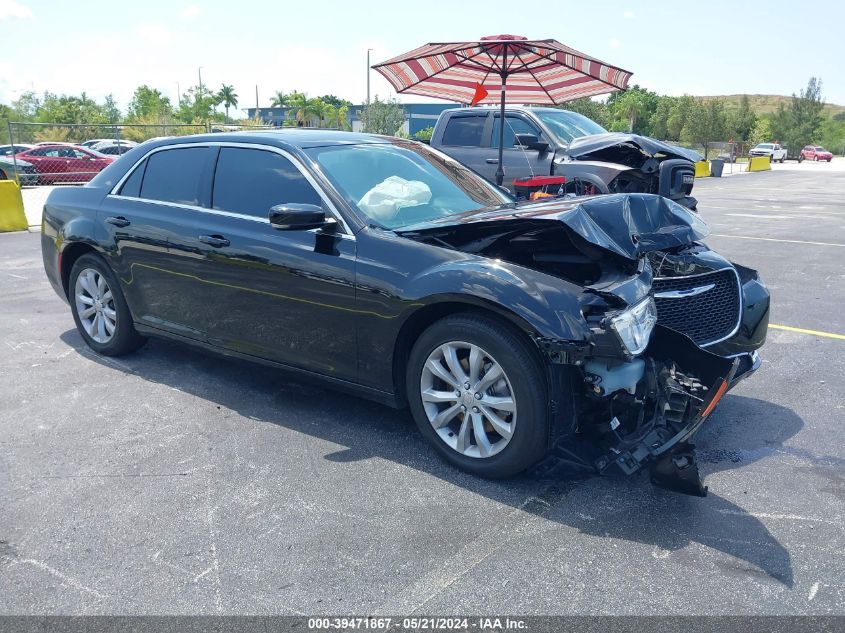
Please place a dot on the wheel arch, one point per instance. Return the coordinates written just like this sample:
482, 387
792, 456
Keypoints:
422, 318
69, 256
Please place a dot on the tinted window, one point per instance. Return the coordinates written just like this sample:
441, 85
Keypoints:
464, 130
38, 152
175, 175
513, 126
132, 186
251, 181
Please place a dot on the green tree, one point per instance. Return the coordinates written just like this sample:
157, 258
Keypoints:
280, 99
798, 125
761, 132
632, 109
197, 105
682, 110
706, 124
382, 117
228, 97
111, 111
595, 110
325, 112
303, 109
148, 103
741, 121
335, 101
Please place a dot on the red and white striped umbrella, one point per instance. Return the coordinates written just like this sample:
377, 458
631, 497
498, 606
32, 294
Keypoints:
536, 71
523, 70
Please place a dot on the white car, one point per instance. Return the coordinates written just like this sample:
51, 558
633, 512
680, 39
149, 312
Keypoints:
774, 151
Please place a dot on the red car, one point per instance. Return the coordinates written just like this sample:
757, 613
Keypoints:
816, 152
65, 163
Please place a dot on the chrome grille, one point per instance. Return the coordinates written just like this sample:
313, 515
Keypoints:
704, 307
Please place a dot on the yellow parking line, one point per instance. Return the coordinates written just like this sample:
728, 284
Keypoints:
801, 330
771, 239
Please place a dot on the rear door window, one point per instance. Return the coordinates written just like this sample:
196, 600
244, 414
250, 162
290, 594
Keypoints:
251, 181
177, 175
464, 131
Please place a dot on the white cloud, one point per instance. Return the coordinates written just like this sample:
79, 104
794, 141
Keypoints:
628, 14
614, 43
12, 9
190, 12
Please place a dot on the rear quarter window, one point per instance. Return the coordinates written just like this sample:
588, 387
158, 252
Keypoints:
464, 131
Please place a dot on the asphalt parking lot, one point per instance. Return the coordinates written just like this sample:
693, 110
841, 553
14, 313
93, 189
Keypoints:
173, 482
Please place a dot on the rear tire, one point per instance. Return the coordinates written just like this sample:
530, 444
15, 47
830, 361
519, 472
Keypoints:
99, 308
503, 428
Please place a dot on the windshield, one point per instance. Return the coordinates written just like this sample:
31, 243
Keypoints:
568, 125
820, 148
402, 183
765, 146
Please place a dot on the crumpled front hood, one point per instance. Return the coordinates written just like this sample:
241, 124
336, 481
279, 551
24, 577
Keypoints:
629, 225
585, 145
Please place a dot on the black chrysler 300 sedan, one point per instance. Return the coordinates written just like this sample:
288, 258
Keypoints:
598, 330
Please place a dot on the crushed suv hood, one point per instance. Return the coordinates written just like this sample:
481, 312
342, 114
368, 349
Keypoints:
629, 225
585, 145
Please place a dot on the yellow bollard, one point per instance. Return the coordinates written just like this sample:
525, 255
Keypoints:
702, 169
12, 217
759, 163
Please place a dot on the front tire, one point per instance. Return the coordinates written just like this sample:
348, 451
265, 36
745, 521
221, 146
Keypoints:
478, 394
99, 308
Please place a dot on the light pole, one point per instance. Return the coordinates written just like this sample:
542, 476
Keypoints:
368, 75
199, 75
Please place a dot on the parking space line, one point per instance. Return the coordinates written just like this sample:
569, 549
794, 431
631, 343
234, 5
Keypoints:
801, 330
772, 239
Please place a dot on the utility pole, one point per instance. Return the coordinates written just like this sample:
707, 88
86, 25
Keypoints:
199, 75
368, 75
257, 111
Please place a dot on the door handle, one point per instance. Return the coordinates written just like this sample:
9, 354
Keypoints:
217, 241
492, 161
118, 221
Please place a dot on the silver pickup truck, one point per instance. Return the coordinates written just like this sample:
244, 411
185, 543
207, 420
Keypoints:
551, 141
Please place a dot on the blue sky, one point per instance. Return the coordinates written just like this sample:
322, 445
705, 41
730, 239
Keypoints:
320, 47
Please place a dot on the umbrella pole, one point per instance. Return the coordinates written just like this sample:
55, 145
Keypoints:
500, 172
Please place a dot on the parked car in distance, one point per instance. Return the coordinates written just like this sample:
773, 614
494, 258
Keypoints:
66, 144
17, 148
385, 268
774, 151
96, 141
816, 153
114, 148
26, 172
555, 142
64, 164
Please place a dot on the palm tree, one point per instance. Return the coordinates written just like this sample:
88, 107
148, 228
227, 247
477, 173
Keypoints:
228, 97
279, 100
302, 108
341, 116
325, 111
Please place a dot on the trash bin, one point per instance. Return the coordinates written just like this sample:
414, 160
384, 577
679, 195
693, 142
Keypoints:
716, 167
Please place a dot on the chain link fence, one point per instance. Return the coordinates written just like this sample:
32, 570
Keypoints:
62, 153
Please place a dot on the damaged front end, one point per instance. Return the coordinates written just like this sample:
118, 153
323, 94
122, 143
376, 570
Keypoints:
672, 326
644, 411
630, 163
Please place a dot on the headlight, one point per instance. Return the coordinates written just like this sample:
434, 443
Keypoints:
634, 326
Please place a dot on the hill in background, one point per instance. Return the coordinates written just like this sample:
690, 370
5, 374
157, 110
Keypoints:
767, 104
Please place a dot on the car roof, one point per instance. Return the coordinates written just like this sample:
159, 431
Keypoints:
285, 138
508, 108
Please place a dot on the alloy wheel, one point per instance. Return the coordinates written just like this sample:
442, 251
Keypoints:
95, 305
468, 399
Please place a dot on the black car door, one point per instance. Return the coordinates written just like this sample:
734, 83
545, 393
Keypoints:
286, 296
140, 217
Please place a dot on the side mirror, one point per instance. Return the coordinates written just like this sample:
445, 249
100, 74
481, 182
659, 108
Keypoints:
531, 141
297, 217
